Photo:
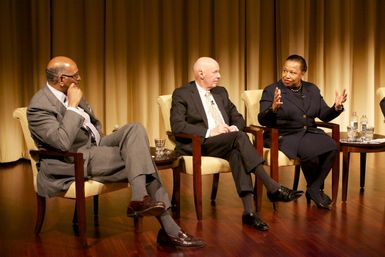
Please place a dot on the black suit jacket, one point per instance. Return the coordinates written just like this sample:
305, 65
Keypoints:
293, 119
188, 114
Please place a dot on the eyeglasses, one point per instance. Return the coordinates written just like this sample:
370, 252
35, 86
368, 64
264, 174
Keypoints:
74, 76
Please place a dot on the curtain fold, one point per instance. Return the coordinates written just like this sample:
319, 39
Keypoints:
131, 51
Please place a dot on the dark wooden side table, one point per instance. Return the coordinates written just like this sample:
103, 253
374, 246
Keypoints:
170, 160
357, 147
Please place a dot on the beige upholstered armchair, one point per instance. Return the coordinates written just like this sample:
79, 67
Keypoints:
196, 164
381, 93
79, 189
275, 158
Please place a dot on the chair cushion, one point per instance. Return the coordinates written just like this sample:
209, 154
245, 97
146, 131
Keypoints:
283, 160
210, 165
92, 187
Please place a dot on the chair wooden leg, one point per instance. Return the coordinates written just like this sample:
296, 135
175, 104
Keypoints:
138, 223
258, 191
81, 218
96, 210
175, 200
40, 213
214, 188
75, 221
274, 169
197, 185
297, 174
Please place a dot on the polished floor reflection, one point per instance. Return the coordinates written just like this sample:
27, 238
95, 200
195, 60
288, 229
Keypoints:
354, 228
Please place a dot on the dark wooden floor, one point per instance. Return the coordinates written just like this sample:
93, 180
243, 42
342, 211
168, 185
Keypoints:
355, 228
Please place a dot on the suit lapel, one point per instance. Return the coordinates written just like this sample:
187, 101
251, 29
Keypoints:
87, 108
289, 96
307, 97
54, 101
198, 103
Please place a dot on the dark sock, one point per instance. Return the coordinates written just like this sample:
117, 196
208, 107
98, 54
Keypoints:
248, 203
270, 184
168, 224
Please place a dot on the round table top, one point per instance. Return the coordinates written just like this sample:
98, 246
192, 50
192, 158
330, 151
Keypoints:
378, 141
168, 157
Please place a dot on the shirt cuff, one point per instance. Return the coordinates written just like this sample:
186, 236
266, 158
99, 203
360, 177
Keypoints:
74, 109
207, 133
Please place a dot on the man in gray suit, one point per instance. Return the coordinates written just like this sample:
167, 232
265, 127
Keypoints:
60, 118
203, 108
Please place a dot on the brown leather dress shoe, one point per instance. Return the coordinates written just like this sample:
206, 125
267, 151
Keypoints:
182, 240
147, 207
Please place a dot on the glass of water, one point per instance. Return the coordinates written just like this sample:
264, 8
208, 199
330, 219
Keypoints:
352, 133
369, 133
159, 146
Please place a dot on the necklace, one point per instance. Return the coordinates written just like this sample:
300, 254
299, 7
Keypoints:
296, 90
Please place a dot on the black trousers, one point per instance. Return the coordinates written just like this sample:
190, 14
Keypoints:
237, 149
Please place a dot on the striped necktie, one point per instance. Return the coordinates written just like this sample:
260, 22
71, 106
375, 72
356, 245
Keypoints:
213, 110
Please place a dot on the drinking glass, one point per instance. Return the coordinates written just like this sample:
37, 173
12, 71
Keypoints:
352, 131
159, 146
369, 133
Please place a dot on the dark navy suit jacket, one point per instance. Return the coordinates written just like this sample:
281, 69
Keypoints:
294, 118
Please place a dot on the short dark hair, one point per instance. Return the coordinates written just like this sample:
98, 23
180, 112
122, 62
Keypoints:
300, 59
52, 75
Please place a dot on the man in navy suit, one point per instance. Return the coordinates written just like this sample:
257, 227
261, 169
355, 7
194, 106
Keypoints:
291, 105
203, 108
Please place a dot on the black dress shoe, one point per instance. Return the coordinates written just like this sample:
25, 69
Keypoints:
147, 207
181, 240
325, 198
252, 220
284, 194
318, 199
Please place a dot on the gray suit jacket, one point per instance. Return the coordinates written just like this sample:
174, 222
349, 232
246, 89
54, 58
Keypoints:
52, 126
188, 114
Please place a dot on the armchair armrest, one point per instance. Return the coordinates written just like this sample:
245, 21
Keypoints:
196, 152
257, 132
335, 130
78, 162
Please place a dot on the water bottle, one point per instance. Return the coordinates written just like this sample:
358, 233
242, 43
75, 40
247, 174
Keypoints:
363, 126
354, 121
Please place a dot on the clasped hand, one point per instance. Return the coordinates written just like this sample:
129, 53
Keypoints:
74, 94
221, 129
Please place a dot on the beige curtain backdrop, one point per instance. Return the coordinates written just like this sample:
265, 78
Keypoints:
131, 51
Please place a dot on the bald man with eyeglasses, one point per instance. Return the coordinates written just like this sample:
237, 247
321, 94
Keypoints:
60, 118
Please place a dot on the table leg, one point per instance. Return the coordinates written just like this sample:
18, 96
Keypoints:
362, 170
345, 174
335, 178
175, 201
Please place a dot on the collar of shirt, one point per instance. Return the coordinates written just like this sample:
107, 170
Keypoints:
201, 90
59, 95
